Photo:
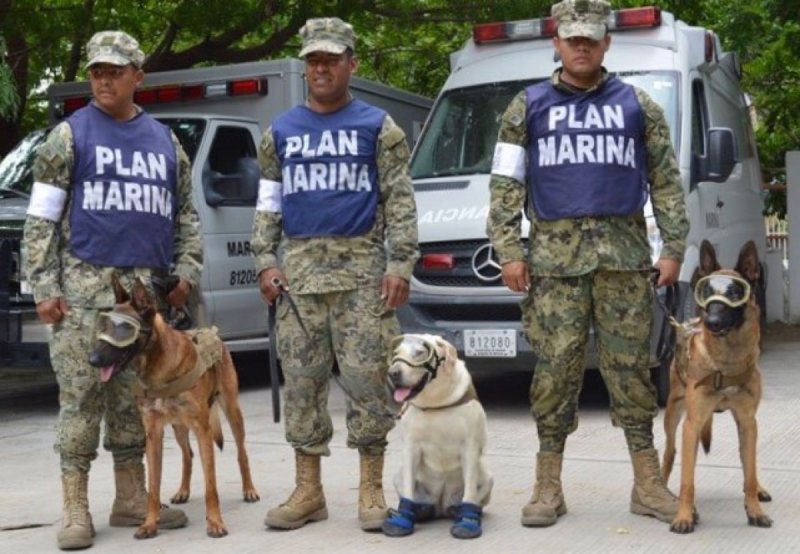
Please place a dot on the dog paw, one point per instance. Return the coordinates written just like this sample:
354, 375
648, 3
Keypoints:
180, 497
762, 520
400, 522
216, 529
251, 496
764, 496
146, 531
682, 526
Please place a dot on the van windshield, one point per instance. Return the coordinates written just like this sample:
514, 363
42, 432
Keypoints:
461, 136
16, 169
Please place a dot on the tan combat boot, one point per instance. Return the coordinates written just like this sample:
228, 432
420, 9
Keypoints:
77, 530
372, 509
130, 504
650, 495
547, 502
307, 502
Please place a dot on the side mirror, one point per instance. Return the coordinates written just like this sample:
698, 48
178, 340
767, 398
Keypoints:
720, 157
233, 189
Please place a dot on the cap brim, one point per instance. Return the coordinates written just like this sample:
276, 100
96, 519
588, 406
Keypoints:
327, 46
594, 31
108, 58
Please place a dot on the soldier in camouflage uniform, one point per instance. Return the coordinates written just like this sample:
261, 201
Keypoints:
582, 148
112, 192
336, 196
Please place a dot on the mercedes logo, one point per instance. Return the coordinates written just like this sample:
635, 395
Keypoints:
484, 264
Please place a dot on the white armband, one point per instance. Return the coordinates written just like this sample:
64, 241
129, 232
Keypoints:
47, 201
270, 194
509, 161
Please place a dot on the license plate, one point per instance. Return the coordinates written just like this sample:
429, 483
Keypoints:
494, 343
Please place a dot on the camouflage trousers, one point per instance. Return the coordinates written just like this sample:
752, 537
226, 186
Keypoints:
354, 328
84, 401
557, 315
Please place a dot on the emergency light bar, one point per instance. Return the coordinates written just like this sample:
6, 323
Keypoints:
180, 93
507, 31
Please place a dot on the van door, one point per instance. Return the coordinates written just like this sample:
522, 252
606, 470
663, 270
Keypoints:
730, 208
230, 294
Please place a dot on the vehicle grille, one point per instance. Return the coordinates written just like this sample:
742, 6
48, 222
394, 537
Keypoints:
461, 275
471, 312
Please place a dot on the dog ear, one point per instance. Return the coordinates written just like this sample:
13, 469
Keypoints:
748, 265
708, 259
121, 296
142, 301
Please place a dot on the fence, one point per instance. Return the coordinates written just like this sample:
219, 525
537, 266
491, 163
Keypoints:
777, 235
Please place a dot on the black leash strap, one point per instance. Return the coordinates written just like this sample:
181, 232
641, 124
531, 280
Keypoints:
669, 306
283, 294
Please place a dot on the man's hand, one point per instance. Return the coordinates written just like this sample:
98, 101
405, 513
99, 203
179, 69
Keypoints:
394, 291
270, 292
52, 310
669, 271
516, 277
178, 296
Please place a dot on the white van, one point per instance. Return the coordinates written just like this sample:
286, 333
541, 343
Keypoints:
456, 290
219, 114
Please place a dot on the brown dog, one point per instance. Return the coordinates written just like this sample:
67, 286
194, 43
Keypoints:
716, 369
183, 377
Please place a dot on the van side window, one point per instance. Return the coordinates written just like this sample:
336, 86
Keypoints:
226, 178
230, 144
730, 110
699, 119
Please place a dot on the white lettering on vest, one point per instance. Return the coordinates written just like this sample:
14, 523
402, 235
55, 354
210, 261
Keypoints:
155, 168
612, 117
127, 197
582, 148
345, 144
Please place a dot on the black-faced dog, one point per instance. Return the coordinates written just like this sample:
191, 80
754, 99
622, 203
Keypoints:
184, 376
715, 368
444, 427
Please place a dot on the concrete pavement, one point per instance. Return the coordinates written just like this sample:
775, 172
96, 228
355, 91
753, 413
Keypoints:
597, 477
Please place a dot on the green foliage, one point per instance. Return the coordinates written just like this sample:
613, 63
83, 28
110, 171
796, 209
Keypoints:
9, 101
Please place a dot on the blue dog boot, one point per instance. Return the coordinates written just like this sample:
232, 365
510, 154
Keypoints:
468, 521
400, 522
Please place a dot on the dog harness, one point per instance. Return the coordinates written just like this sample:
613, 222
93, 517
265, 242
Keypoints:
206, 343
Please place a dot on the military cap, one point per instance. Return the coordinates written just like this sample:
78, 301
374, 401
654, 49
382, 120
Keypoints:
114, 47
581, 18
327, 34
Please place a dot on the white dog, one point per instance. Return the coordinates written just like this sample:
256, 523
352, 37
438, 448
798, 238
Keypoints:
444, 426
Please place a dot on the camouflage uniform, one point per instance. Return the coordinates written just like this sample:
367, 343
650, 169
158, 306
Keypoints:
53, 271
590, 269
336, 283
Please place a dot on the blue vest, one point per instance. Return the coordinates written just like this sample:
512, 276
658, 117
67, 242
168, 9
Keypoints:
586, 155
124, 190
330, 178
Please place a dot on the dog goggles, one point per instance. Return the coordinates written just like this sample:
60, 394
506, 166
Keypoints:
730, 290
420, 352
118, 329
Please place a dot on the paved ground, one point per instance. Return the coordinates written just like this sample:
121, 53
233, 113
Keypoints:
597, 478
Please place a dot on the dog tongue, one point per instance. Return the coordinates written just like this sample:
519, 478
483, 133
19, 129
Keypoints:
106, 373
401, 394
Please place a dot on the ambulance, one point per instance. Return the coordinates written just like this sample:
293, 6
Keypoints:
456, 290
218, 113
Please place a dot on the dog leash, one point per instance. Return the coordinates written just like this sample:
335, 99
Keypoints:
283, 294
669, 308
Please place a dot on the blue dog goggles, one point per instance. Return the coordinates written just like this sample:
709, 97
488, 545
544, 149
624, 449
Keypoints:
730, 290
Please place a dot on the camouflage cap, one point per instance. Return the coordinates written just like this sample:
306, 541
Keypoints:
581, 18
114, 47
327, 34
